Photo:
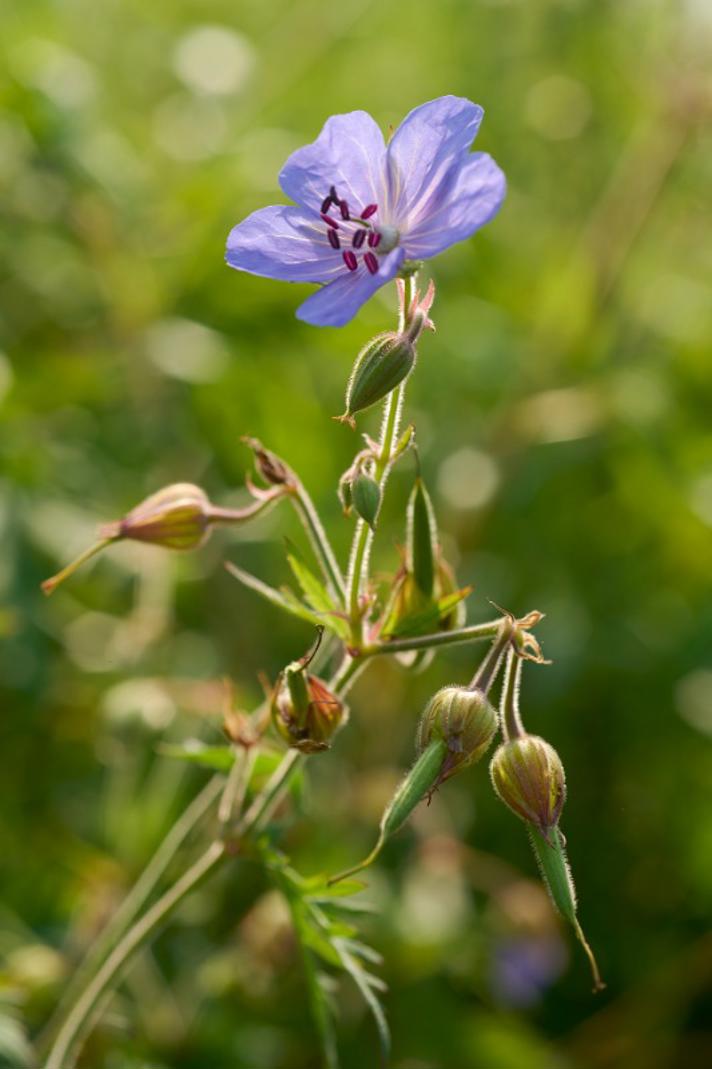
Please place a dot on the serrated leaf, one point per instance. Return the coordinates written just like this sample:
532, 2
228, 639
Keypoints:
284, 599
361, 978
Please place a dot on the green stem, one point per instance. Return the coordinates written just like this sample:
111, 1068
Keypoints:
62, 1055
238, 780
137, 896
363, 535
510, 717
474, 633
319, 541
270, 796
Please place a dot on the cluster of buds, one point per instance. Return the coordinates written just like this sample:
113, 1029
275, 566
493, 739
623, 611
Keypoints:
304, 711
387, 360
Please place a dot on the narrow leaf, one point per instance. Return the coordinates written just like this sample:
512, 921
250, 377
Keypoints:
422, 538
283, 599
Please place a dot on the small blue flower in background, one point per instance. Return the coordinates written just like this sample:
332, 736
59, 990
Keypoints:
363, 208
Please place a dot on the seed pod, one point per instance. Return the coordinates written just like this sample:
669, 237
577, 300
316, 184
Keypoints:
177, 517
464, 720
366, 498
420, 781
304, 711
380, 366
528, 776
421, 538
556, 873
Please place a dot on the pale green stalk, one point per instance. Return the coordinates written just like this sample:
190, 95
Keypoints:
319, 541
137, 896
363, 534
473, 633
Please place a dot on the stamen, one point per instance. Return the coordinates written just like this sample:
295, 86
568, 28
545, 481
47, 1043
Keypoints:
351, 261
371, 262
326, 204
329, 221
369, 210
358, 239
374, 239
344, 209
333, 239
333, 194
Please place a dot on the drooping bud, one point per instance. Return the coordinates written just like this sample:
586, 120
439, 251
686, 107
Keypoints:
177, 517
464, 720
382, 364
366, 498
528, 776
304, 711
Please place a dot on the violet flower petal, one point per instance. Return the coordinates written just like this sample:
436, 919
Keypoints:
336, 304
282, 242
474, 197
430, 140
348, 154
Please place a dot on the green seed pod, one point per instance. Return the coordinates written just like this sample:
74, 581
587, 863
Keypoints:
419, 782
528, 776
556, 873
421, 538
366, 498
177, 517
464, 720
380, 366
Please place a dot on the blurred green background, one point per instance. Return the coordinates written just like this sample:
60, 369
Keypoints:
563, 411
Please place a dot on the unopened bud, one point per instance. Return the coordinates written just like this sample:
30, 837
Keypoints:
528, 776
380, 366
271, 467
464, 720
304, 711
366, 498
177, 517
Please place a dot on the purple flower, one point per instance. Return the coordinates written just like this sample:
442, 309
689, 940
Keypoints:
363, 208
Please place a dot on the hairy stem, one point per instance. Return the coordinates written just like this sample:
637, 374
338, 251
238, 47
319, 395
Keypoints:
473, 633
363, 534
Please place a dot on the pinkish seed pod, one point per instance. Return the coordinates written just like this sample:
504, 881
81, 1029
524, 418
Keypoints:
528, 776
464, 720
177, 517
304, 711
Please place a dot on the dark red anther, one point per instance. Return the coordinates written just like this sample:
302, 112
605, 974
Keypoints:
333, 194
333, 239
326, 204
344, 209
369, 210
371, 262
358, 239
351, 261
329, 221
374, 239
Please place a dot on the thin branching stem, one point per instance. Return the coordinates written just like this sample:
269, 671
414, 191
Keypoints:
320, 543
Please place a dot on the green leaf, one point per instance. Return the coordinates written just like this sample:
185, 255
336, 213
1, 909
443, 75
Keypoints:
317, 595
427, 620
219, 758
284, 599
364, 982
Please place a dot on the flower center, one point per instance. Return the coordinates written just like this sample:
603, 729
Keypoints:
355, 231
